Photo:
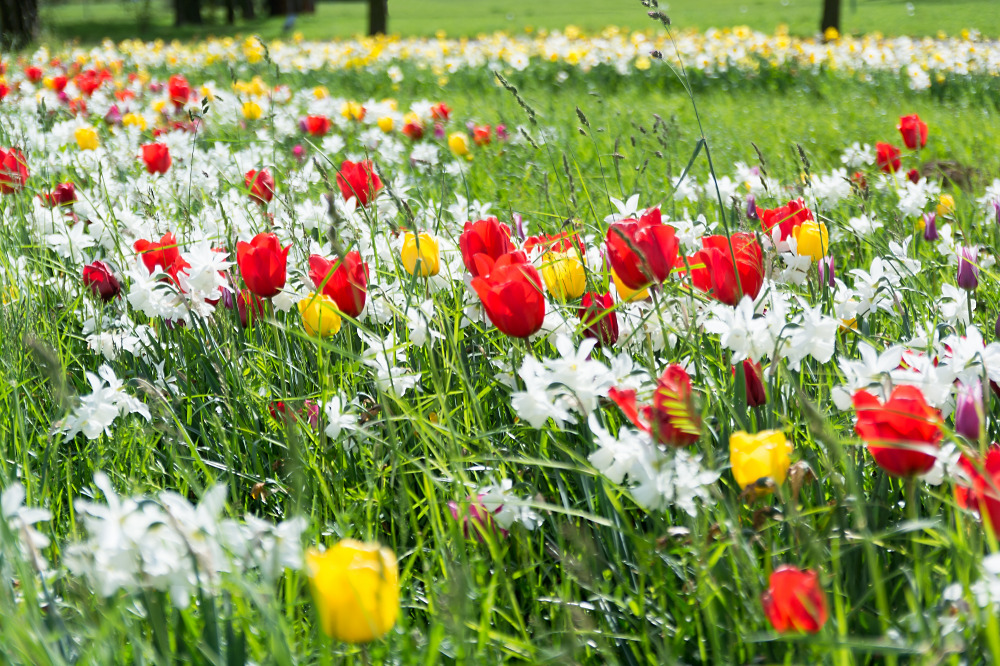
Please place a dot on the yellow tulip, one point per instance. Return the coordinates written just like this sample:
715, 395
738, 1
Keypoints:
458, 143
252, 111
356, 589
320, 316
753, 457
86, 137
130, 119
812, 239
946, 205
385, 123
320, 92
352, 110
564, 275
625, 293
427, 253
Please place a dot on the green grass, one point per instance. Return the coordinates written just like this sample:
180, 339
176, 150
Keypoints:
91, 22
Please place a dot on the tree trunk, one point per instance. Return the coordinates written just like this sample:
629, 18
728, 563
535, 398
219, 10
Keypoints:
18, 22
246, 7
230, 12
378, 17
188, 12
831, 16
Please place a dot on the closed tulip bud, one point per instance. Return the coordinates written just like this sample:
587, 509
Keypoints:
753, 378
263, 264
996, 328
157, 157
752, 208
86, 138
930, 227
765, 455
358, 180
564, 275
423, 250
458, 143
345, 281
320, 316
13, 170
827, 268
643, 251
794, 601
261, 185
101, 281
914, 131
626, 294
601, 321
968, 270
477, 520
967, 408
386, 123
487, 238
356, 589
812, 239
996, 210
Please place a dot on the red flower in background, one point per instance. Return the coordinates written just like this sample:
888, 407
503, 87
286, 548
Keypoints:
983, 492
597, 314
753, 378
794, 601
4, 90
488, 237
101, 281
712, 268
413, 131
64, 194
316, 125
263, 264
162, 254
357, 179
179, 90
642, 251
441, 111
481, 135
887, 157
13, 170
59, 83
33, 74
913, 131
672, 418
512, 295
157, 157
903, 433
261, 185
346, 284
561, 242
786, 217
250, 307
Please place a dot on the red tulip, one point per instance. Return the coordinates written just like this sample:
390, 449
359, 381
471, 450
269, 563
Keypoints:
4, 90
261, 185
598, 315
794, 601
913, 176
316, 125
64, 194
33, 74
887, 157
753, 378
983, 492
487, 237
413, 131
902, 434
481, 135
179, 90
786, 217
250, 307
441, 111
59, 83
913, 130
101, 281
561, 242
157, 157
642, 251
13, 171
262, 264
512, 295
346, 281
672, 418
358, 180
162, 255
712, 267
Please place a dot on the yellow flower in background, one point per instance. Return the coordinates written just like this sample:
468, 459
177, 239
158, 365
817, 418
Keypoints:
159, 104
86, 138
754, 457
252, 111
812, 239
386, 123
49, 83
564, 275
946, 205
625, 293
831, 34
458, 143
320, 316
130, 119
428, 254
356, 589
352, 110
253, 50
320, 92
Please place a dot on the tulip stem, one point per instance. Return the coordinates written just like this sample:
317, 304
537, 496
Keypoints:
912, 495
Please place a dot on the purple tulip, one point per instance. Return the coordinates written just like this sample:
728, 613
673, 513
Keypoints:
930, 227
438, 131
996, 209
968, 271
477, 519
968, 402
113, 116
751, 208
519, 226
827, 268
996, 328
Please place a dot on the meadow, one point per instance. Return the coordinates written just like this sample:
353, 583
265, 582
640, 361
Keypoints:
619, 359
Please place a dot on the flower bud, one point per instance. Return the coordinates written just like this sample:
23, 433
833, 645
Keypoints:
827, 267
751, 208
930, 227
968, 404
968, 271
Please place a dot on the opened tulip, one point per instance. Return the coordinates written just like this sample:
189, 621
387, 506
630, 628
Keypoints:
320, 316
64, 194
903, 433
755, 458
512, 296
794, 601
86, 138
598, 316
345, 281
913, 131
564, 275
157, 157
887, 157
252, 111
358, 180
317, 126
422, 249
261, 185
356, 589
101, 281
672, 418
162, 254
353, 111
487, 237
643, 251
263, 264
786, 217
179, 90
441, 111
812, 240
13, 170
712, 268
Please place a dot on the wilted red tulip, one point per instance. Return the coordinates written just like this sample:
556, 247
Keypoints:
794, 601
347, 284
162, 255
13, 170
357, 179
487, 237
179, 90
672, 418
913, 130
261, 185
263, 264
902, 434
316, 125
786, 217
887, 157
982, 492
712, 267
101, 281
157, 157
642, 251
597, 314
512, 295
64, 194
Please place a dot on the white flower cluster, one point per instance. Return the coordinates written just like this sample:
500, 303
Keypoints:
97, 412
